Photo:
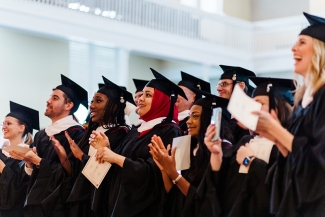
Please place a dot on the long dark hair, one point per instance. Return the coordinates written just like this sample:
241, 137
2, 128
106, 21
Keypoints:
283, 111
113, 116
201, 160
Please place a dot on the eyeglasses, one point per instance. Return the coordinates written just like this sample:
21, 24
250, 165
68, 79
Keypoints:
6, 124
224, 84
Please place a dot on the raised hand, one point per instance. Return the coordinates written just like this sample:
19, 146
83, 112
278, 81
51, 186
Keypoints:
99, 139
62, 154
76, 151
243, 152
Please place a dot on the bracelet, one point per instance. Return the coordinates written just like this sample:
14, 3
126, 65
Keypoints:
177, 179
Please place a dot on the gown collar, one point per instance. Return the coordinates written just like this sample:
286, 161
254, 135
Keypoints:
184, 114
60, 125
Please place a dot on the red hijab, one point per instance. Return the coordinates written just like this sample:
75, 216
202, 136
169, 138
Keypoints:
159, 108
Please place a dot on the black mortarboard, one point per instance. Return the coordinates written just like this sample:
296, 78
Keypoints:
76, 93
139, 84
213, 101
165, 85
236, 73
194, 84
274, 87
316, 28
115, 92
26, 115
100, 85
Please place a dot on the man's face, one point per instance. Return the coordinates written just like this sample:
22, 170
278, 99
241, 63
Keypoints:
137, 96
183, 104
55, 106
225, 87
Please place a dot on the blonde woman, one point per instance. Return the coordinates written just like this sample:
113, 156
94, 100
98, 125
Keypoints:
17, 128
299, 176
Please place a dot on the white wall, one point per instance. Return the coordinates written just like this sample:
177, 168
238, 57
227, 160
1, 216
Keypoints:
30, 68
270, 9
238, 8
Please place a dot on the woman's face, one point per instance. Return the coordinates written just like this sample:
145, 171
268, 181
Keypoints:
303, 52
11, 128
97, 108
145, 101
194, 121
264, 100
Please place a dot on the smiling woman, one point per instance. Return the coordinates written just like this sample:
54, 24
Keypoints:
297, 189
17, 128
107, 116
136, 187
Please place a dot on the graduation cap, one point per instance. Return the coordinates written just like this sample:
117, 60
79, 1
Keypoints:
115, 92
194, 84
139, 84
26, 115
100, 85
76, 93
273, 87
316, 28
167, 87
212, 101
237, 74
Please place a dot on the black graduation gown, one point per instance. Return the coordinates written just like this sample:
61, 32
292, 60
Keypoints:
299, 179
13, 185
237, 132
230, 193
137, 189
84, 199
49, 185
175, 198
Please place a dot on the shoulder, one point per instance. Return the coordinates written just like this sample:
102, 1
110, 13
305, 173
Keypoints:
118, 129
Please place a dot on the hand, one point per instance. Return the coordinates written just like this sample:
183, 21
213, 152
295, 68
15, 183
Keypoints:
243, 152
213, 146
2, 166
98, 140
62, 155
160, 154
59, 149
32, 157
76, 151
105, 154
266, 123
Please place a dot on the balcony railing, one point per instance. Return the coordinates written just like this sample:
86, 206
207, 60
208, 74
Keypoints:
170, 17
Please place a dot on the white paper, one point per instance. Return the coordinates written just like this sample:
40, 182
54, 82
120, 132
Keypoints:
94, 171
262, 148
241, 107
23, 148
183, 150
91, 150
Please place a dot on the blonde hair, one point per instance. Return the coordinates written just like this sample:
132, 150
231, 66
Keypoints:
315, 74
28, 139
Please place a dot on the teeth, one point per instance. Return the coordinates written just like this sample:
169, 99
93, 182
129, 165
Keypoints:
297, 57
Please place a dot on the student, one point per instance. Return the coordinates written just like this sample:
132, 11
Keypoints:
139, 85
107, 116
238, 176
299, 178
191, 86
231, 76
46, 192
17, 127
137, 188
184, 185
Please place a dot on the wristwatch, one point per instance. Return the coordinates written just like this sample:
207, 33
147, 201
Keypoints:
247, 160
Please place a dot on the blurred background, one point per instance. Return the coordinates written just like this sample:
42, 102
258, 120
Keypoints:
121, 39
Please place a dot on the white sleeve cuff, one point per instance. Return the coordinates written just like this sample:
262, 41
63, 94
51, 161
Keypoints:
28, 170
